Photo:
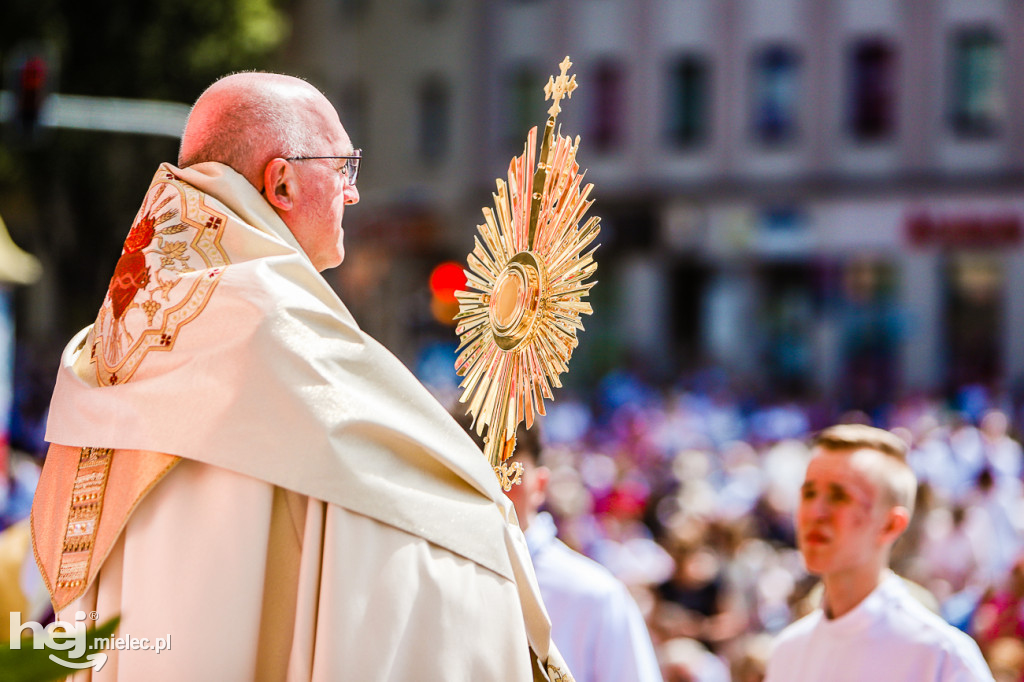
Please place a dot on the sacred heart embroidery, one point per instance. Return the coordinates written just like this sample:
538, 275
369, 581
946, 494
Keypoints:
131, 273
171, 262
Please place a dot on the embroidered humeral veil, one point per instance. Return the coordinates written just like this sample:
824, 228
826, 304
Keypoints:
219, 342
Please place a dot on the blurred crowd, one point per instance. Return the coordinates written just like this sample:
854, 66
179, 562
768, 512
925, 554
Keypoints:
688, 494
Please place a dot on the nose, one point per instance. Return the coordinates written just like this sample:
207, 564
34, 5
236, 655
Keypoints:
820, 508
351, 194
814, 508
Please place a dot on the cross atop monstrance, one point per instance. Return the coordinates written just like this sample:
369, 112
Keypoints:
560, 87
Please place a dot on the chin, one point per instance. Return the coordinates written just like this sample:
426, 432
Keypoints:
330, 261
339, 249
815, 564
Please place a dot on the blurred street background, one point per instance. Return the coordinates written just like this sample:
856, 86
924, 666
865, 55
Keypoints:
811, 212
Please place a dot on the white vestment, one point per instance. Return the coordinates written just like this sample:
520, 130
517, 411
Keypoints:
236, 465
888, 637
594, 621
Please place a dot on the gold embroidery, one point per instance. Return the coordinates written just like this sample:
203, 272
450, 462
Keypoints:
509, 475
84, 516
556, 674
172, 261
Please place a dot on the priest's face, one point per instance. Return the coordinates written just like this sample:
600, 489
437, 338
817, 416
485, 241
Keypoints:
324, 192
841, 519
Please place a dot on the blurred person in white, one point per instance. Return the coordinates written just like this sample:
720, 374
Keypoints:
965, 443
932, 458
995, 502
856, 500
953, 559
995, 508
687, 660
1002, 452
595, 623
248, 471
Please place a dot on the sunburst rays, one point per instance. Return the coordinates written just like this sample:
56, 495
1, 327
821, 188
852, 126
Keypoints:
527, 277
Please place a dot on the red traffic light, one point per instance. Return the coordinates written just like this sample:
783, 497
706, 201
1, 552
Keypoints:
33, 74
445, 280
31, 92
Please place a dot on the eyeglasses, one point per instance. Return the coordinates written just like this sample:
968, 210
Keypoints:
350, 169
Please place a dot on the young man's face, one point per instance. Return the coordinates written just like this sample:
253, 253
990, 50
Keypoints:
840, 520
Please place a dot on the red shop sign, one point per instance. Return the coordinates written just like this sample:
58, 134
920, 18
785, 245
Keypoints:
965, 229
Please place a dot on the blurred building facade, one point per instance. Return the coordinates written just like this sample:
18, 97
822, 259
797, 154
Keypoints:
819, 195
403, 77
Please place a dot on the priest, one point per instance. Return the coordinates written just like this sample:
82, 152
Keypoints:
237, 468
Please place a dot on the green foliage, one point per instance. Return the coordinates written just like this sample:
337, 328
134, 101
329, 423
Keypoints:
10, 170
34, 665
70, 196
163, 49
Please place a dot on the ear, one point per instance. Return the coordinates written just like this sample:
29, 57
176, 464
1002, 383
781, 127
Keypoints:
897, 520
541, 478
279, 184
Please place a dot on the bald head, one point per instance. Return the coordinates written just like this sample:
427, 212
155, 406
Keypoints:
283, 135
246, 119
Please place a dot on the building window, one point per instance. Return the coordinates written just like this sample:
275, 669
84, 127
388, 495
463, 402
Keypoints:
775, 82
978, 104
689, 102
869, 322
873, 72
609, 107
973, 309
785, 319
434, 116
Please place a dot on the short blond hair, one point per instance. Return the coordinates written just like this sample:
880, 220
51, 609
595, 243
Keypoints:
896, 479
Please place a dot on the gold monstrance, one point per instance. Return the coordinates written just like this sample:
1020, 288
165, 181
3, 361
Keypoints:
527, 279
